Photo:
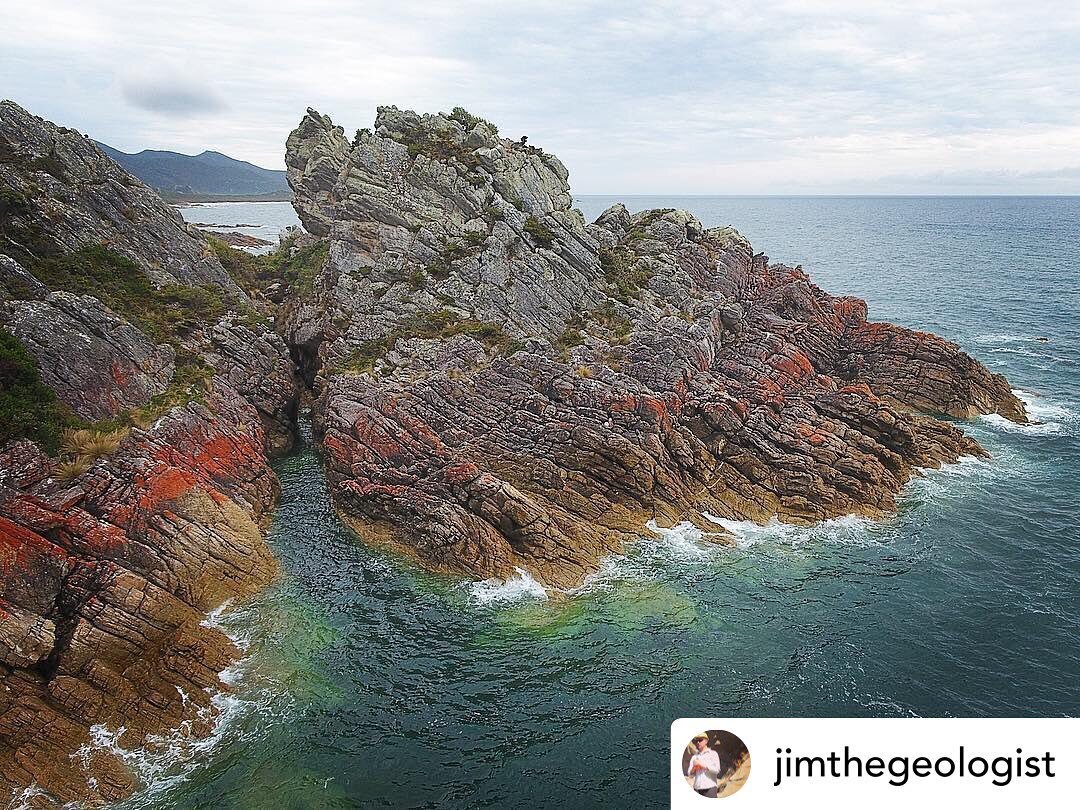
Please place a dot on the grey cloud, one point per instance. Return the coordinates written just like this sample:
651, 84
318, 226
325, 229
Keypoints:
179, 98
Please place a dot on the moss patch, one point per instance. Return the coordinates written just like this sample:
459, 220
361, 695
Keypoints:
442, 325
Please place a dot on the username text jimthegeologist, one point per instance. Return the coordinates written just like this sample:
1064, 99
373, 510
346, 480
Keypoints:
1001, 770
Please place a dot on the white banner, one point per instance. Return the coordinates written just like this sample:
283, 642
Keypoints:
876, 763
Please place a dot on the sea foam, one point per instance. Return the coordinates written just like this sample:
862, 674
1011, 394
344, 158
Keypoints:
519, 588
166, 760
845, 530
1047, 418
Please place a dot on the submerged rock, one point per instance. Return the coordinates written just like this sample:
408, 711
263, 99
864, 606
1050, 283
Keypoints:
504, 387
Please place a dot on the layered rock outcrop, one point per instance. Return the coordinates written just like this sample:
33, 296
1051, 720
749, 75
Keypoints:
59, 192
504, 386
111, 557
98, 362
104, 585
500, 385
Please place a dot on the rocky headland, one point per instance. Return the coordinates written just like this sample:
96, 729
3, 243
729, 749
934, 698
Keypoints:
504, 386
495, 384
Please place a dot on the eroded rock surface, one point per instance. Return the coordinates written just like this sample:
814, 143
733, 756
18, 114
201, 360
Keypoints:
503, 386
95, 361
105, 581
253, 359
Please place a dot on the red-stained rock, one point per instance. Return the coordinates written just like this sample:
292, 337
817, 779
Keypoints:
126, 558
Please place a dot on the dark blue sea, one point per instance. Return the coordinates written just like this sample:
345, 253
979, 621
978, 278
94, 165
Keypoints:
366, 683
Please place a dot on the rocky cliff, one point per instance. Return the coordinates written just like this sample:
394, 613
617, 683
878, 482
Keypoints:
503, 386
141, 391
498, 385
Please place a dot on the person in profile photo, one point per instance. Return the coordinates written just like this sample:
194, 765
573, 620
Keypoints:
716, 764
704, 768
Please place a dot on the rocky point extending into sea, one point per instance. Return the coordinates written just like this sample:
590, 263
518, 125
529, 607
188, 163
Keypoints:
495, 384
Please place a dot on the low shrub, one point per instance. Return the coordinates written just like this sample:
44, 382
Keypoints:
539, 232
28, 408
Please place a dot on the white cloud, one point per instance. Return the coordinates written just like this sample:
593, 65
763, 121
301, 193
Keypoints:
833, 96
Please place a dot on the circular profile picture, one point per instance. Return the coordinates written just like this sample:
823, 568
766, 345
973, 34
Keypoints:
716, 764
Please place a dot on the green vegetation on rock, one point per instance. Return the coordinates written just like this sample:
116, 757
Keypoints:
622, 272
163, 313
440, 144
539, 232
295, 269
442, 324
454, 251
28, 408
468, 120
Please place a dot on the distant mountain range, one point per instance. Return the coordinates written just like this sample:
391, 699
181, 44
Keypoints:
206, 175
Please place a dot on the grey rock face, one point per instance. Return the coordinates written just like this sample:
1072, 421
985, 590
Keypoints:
62, 193
254, 360
428, 214
16, 282
95, 361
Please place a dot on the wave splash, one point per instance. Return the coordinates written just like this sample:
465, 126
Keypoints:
519, 588
1047, 418
846, 530
164, 761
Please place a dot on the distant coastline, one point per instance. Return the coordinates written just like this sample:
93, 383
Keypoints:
177, 198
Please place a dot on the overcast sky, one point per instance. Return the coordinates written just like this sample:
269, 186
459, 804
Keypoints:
682, 97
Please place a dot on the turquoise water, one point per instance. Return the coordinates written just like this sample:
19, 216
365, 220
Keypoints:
368, 683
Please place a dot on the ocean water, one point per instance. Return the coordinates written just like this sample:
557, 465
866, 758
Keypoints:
264, 220
367, 683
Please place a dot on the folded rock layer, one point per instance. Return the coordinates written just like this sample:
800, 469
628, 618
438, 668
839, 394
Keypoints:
504, 387
111, 557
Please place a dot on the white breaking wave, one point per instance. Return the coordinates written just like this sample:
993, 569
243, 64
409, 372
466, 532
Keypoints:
846, 530
216, 616
1048, 418
1032, 429
24, 799
684, 541
999, 338
1028, 353
1040, 409
165, 760
519, 588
